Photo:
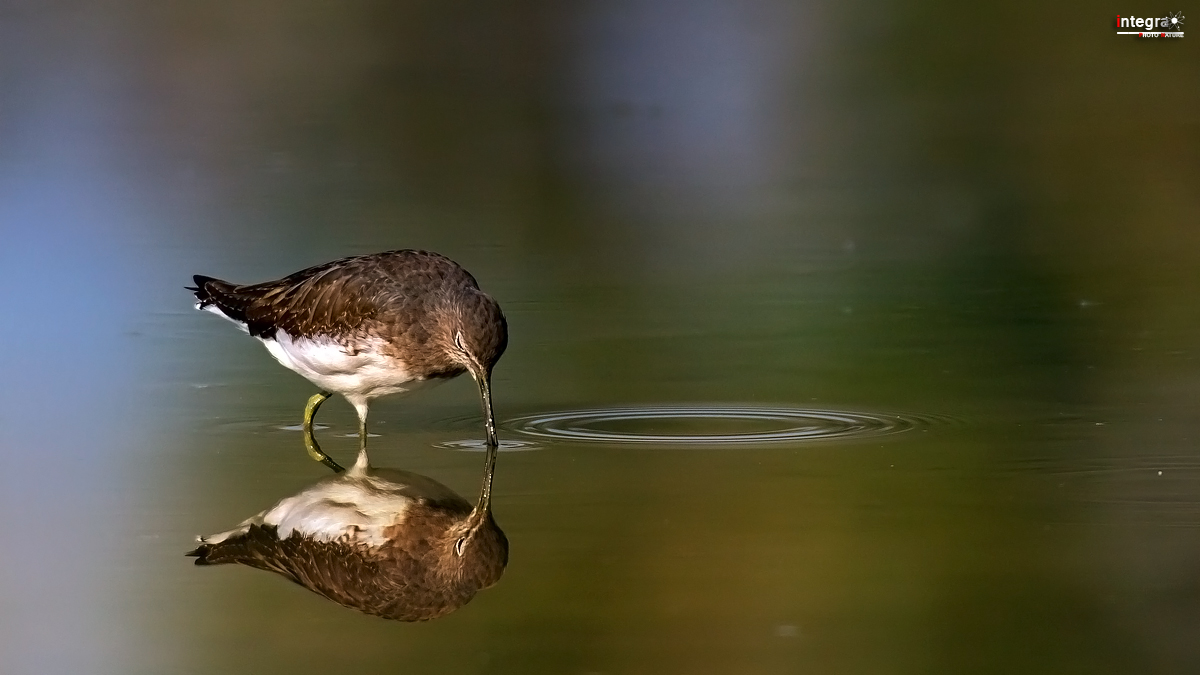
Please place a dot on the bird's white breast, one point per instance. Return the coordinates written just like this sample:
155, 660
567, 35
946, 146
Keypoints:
360, 373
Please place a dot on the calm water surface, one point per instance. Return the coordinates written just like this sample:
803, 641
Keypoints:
717, 205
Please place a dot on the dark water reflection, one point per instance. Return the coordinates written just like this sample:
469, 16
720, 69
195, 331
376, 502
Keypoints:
387, 542
921, 207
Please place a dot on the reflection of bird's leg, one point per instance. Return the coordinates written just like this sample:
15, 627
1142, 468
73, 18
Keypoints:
310, 410
314, 451
360, 464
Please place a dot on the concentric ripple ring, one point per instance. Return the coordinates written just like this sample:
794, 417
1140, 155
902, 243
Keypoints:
479, 445
761, 425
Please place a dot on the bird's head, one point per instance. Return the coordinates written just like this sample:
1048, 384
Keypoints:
478, 334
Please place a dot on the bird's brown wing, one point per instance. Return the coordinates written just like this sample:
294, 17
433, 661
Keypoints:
341, 297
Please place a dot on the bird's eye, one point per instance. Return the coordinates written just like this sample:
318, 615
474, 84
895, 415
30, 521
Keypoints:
458, 546
459, 342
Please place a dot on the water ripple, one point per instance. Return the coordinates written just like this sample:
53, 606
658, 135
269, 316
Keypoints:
715, 425
479, 445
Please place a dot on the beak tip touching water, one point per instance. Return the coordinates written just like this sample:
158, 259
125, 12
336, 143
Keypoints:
485, 394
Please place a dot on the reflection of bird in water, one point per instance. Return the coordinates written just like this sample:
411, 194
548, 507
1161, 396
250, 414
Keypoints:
383, 541
369, 326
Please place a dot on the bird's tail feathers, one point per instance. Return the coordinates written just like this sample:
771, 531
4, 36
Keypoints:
212, 293
244, 545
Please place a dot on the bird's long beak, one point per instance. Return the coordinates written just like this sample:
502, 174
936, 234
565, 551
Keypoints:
485, 393
489, 468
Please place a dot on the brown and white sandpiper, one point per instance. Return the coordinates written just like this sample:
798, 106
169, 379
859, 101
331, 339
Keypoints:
371, 325
383, 541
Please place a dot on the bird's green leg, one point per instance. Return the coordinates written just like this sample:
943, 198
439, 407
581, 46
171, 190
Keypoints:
310, 410
310, 441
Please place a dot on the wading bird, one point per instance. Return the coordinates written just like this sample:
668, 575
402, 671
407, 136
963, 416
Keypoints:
371, 325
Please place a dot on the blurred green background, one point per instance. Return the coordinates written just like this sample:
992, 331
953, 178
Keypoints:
982, 211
